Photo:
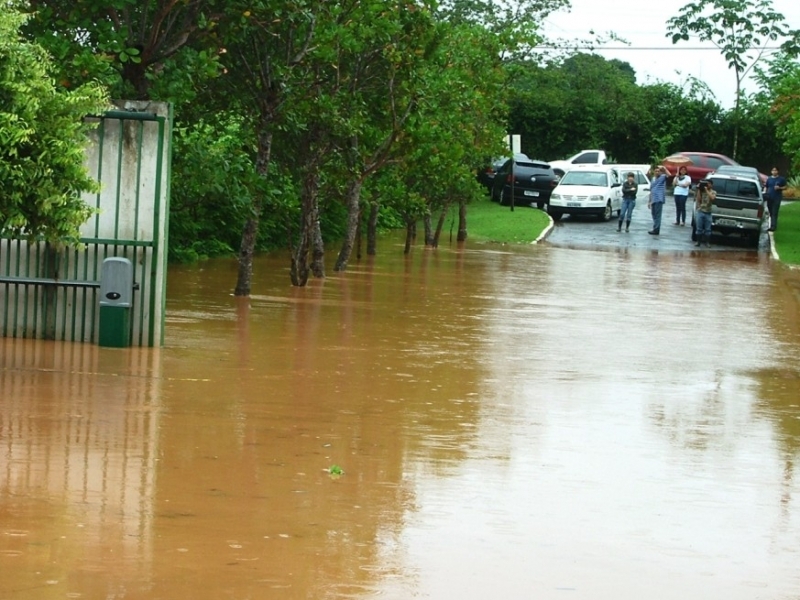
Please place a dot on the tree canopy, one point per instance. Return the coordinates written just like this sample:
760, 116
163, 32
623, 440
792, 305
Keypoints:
741, 29
42, 141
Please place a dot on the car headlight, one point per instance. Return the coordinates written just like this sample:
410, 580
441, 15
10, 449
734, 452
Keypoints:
596, 198
555, 197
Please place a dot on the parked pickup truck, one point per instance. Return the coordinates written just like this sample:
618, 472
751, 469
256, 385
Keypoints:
739, 206
588, 157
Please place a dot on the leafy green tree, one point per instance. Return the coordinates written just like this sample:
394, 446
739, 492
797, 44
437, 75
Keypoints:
666, 118
127, 45
42, 141
515, 24
267, 45
464, 77
380, 63
581, 102
775, 106
786, 110
213, 179
741, 29
759, 138
558, 111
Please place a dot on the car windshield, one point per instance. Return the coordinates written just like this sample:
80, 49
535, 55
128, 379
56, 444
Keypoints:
585, 178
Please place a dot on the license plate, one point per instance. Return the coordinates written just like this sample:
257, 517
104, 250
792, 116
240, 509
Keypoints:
575, 204
726, 223
531, 193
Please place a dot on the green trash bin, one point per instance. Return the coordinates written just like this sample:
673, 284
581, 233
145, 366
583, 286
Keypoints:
116, 300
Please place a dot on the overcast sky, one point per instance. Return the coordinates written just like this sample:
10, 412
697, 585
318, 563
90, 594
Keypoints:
651, 53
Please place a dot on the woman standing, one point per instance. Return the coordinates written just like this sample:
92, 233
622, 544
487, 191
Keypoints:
629, 190
682, 184
658, 195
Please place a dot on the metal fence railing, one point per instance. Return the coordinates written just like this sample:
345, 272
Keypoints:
52, 293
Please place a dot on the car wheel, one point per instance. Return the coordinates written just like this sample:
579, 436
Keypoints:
606, 216
555, 214
493, 195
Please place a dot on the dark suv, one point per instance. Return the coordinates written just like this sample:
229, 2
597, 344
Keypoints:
531, 181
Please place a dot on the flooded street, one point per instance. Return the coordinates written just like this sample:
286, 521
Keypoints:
538, 422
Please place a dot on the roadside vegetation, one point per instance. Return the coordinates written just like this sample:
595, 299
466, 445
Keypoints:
489, 222
42, 141
313, 125
787, 236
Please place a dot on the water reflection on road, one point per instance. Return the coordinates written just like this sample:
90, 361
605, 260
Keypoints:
535, 422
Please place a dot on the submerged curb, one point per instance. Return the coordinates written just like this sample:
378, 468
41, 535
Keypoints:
546, 232
772, 250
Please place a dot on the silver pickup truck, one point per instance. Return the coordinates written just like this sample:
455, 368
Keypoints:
739, 207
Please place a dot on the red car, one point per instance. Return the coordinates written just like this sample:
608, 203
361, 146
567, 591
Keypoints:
704, 163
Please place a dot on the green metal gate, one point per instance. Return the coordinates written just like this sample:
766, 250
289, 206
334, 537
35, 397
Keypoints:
53, 293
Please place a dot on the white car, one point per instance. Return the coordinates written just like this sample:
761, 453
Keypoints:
594, 190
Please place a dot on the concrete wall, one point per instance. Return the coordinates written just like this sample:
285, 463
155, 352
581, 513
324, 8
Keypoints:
129, 154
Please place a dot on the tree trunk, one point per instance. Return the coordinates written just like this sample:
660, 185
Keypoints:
298, 270
439, 225
311, 242
352, 199
372, 230
410, 233
426, 221
317, 244
244, 278
135, 74
462, 222
736, 116
250, 232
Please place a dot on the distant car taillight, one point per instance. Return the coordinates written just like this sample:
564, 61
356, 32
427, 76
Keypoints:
510, 178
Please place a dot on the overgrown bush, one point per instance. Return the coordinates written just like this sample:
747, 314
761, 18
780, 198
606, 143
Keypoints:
42, 141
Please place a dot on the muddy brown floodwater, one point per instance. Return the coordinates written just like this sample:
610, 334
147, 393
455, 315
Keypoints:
539, 422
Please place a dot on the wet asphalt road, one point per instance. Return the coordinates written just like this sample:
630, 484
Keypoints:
583, 232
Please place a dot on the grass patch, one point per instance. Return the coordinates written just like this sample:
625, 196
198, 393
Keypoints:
490, 222
787, 237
